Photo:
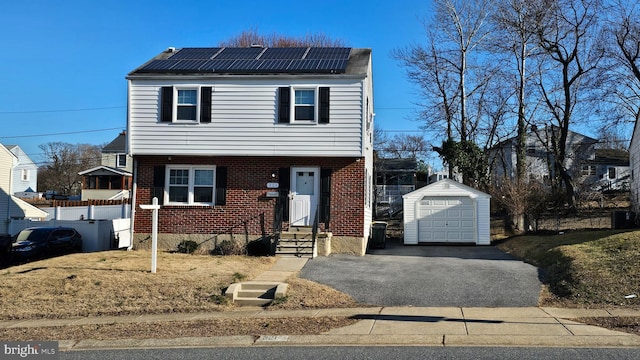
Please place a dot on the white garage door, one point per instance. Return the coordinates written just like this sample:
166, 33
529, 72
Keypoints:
446, 219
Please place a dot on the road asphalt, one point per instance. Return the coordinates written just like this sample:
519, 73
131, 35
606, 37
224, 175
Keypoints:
396, 325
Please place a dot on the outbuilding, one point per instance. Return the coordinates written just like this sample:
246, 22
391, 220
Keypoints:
446, 212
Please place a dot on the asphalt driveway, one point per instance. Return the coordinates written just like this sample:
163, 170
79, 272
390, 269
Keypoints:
463, 276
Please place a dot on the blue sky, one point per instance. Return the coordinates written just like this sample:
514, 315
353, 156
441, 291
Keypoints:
64, 63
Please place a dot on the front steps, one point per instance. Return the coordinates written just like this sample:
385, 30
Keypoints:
255, 293
298, 242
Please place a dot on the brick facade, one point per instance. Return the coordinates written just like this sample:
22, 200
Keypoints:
246, 199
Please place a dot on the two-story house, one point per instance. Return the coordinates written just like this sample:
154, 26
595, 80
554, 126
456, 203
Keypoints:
225, 135
539, 154
113, 179
25, 174
12, 207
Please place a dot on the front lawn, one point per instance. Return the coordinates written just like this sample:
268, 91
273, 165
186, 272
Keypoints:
584, 268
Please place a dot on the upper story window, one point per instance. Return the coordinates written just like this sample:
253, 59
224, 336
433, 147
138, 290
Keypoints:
24, 174
121, 160
303, 105
190, 185
185, 104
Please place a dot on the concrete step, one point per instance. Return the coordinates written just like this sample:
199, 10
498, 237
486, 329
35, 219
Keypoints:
255, 293
251, 301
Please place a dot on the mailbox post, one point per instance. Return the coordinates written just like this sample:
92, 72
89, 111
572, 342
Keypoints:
154, 232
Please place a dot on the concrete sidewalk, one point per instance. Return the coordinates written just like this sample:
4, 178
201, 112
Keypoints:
446, 326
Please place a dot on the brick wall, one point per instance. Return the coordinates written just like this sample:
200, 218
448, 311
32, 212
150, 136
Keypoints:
246, 195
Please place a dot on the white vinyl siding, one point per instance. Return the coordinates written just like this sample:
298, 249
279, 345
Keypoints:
243, 121
474, 201
7, 161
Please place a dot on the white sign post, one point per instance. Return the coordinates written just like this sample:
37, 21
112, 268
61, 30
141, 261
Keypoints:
154, 232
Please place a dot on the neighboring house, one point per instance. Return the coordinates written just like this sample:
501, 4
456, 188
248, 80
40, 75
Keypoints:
25, 173
10, 206
634, 164
112, 180
225, 135
394, 178
608, 171
539, 159
7, 161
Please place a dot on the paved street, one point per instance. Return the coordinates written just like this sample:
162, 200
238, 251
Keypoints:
427, 276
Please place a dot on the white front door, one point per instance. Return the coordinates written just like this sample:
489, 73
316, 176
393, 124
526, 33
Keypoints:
305, 189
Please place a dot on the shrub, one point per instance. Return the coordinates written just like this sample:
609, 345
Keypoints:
187, 247
228, 247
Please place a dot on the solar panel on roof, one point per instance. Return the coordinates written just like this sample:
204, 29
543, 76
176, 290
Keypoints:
252, 60
328, 53
303, 65
239, 53
189, 65
283, 53
216, 65
195, 53
159, 65
275, 65
335, 65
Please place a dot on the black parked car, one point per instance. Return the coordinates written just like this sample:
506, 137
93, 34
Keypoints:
41, 242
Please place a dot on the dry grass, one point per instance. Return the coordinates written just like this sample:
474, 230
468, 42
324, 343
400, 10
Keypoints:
587, 268
120, 282
175, 329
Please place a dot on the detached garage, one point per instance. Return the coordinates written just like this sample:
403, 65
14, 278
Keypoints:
446, 212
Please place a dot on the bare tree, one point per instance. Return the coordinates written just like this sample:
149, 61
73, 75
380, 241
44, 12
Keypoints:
252, 37
64, 162
567, 35
622, 87
408, 146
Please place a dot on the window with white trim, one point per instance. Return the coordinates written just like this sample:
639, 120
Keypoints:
24, 174
190, 185
304, 105
121, 160
186, 104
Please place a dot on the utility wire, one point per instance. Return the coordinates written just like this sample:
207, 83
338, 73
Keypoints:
62, 133
59, 111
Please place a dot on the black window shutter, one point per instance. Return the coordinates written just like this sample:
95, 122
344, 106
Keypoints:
284, 100
324, 105
284, 181
325, 197
221, 185
158, 183
205, 104
167, 104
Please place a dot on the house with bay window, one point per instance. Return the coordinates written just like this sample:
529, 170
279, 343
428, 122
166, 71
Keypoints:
245, 142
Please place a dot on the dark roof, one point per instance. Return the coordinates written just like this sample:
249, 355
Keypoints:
257, 60
118, 145
615, 157
396, 165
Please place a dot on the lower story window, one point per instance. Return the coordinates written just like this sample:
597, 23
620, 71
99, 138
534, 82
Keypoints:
188, 185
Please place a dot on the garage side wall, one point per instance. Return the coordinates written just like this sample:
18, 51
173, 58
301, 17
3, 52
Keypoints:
410, 222
484, 221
